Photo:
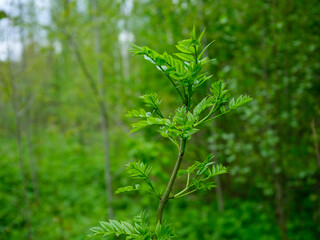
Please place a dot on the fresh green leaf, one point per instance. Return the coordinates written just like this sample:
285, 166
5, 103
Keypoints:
239, 102
185, 57
140, 170
128, 189
151, 100
203, 105
141, 113
203, 51
164, 231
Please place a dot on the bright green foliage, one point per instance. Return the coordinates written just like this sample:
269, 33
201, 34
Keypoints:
164, 231
151, 100
139, 170
141, 113
183, 71
140, 230
184, 74
202, 174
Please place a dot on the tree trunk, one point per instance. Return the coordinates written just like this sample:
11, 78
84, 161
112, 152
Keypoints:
98, 91
269, 17
18, 135
103, 112
33, 170
317, 206
18, 113
23, 173
204, 42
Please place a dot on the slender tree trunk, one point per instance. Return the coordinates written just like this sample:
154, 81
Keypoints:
277, 177
97, 89
18, 135
280, 204
23, 174
28, 125
33, 170
103, 112
218, 189
219, 194
317, 206
18, 113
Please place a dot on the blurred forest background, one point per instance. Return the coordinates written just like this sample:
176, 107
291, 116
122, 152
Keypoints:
67, 80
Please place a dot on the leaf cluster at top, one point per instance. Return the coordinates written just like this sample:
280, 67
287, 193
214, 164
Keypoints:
183, 70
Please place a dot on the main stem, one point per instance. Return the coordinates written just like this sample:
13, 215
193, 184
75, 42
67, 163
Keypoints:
164, 200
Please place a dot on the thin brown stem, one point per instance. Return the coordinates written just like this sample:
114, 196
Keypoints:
165, 198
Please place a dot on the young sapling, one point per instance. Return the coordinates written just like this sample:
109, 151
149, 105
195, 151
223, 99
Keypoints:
183, 71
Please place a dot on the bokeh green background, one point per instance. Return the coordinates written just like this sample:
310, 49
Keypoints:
268, 49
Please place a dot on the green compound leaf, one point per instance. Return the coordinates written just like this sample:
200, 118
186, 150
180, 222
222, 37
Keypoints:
202, 175
185, 57
233, 104
151, 100
140, 170
139, 231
